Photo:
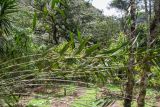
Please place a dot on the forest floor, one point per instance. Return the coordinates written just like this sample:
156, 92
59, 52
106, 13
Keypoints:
68, 100
158, 102
77, 96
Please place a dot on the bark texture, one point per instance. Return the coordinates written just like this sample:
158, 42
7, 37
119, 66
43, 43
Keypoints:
143, 84
154, 32
130, 72
145, 67
154, 27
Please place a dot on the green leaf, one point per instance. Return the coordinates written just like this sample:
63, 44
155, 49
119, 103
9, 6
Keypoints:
62, 2
60, 11
91, 49
79, 36
156, 63
129, 20
116, 49
34, 20
53, 3
64, 49
81, 46
135, 40
72, 40
45, 11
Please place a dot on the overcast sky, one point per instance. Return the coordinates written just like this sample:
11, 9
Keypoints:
104, 5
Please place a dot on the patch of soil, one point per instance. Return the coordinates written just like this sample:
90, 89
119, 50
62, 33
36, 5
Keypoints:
115, 104
24, 101
32, 93
66, 101
158, 101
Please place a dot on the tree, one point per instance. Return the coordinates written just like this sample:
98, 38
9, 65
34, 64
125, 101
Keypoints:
120, 4
152, 39
145, 66
130, 71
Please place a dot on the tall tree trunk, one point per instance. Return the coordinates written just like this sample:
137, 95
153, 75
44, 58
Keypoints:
55, 40
154, 32
154, 27
143, 83
145, 67
130, 71
150, 10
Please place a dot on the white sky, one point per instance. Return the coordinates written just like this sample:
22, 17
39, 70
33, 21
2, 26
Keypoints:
104, 5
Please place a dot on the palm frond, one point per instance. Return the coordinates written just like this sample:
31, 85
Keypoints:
7, 7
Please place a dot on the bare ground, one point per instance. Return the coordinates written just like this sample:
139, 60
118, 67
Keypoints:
158, 103
66, 101
115, 104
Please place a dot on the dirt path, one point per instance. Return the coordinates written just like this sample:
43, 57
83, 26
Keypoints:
66, 101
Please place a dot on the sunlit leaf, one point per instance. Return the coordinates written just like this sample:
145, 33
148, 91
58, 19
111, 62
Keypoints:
72, 40
115, 49
79, 36
34, 20
60, 11
91, 49
81, 46
64, 49
53, 3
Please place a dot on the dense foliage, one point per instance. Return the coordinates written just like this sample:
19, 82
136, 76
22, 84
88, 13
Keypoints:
47, 44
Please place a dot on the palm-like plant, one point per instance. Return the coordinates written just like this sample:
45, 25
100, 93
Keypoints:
7, 7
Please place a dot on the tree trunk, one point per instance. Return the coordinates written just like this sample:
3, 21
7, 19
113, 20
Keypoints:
55, 36
150, 10
156, 22
130, 71
143, 84
154, 32
129, 89
55, 39
145, 68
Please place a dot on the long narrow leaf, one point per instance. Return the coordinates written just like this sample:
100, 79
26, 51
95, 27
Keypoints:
64, 49
72, 40
116, 49
91, 49
81, 46
79, 36
34, 20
